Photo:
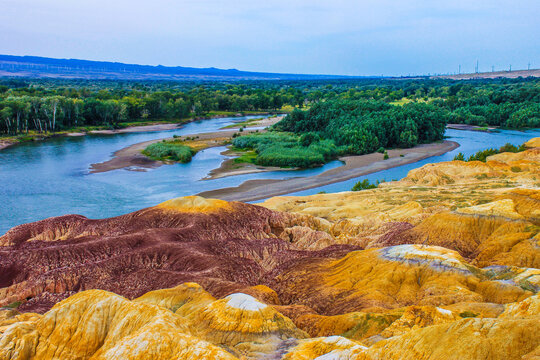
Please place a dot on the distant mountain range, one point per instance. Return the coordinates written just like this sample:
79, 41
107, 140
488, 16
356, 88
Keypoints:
43, 67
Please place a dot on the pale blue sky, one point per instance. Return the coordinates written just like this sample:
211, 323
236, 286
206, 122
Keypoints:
326, 37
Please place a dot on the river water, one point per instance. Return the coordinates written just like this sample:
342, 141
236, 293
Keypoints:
51, 178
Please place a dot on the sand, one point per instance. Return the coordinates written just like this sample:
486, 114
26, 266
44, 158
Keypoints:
6, 144
355, 166
144, 128
471, 127
131, 157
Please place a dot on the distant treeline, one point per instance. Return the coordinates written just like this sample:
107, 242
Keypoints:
54, 105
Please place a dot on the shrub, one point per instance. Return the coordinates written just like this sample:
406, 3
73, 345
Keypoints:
309, 138
515, 169
482, 155
365, 184
468, 314
169, 151
386, 157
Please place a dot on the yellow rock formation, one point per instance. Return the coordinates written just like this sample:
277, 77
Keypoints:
466, 339
533, 143
332, 347
241, 322
183, 299
96, 324
379, 279
194, 204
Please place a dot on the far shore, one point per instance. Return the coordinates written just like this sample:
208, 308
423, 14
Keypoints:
471, 127
130, 129
355, 166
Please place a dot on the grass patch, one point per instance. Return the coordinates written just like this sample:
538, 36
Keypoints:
527, 286
286, 150
13, 305
515, 169
468, 314
169, 151
401, 102
246, 157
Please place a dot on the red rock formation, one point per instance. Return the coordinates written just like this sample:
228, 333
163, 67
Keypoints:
223, 246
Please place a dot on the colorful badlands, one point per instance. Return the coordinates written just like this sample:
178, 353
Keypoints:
444, 264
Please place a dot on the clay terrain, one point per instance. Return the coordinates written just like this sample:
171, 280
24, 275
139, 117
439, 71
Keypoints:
444, 264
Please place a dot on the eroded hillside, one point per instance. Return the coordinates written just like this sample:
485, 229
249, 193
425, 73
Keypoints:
444, 264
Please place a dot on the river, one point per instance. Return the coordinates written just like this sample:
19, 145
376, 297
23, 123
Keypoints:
51, 178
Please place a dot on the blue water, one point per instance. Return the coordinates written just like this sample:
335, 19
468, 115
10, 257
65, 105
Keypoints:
470, 142
51, 178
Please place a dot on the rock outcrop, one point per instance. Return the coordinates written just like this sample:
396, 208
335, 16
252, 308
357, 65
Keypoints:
444, 264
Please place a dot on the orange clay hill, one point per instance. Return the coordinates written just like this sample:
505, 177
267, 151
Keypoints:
444, 264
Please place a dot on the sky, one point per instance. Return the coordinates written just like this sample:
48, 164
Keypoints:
347, 37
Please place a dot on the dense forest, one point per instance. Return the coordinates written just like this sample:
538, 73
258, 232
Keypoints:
45, 106
337, 127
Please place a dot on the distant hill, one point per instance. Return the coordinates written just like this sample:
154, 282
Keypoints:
492, 75
42, 67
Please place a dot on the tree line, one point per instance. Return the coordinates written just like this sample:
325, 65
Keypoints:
364, 126
44, 105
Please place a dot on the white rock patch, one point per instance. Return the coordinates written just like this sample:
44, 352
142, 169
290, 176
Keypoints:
444, 311
244, 302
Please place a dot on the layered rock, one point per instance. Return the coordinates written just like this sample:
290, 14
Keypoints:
190, 324
443, 264
224, 246
96, 324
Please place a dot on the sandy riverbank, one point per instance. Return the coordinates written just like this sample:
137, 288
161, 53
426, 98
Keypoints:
5, 144
471, 127
355, 166
143, 128
131, 157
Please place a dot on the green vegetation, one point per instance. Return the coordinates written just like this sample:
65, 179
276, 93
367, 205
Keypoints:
483, 154
364, 126
243, 123
169, 151
246, 157
13, 305
468, 314
337, 127
285, 150
46, 106
365, 185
